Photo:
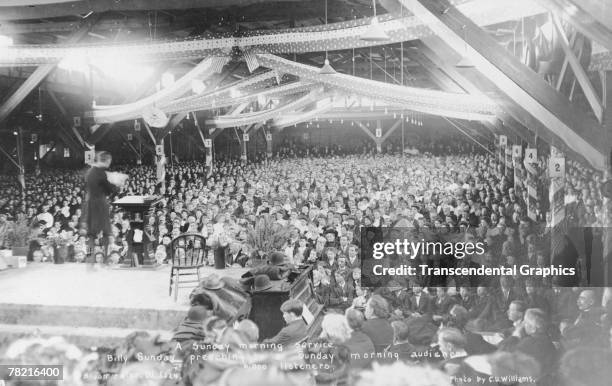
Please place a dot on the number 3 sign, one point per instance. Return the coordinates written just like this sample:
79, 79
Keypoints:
556, 167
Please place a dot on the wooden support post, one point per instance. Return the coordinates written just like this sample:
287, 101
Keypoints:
268, 137
556, 222
533, 184
372, 136
517, 163
607, 236
391, 130
378, 136
122, 135
509, 167
21, 160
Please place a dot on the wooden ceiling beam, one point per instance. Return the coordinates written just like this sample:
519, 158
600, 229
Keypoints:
579, 72
41, 73
434, 49
587, 23
572, 128
40, 11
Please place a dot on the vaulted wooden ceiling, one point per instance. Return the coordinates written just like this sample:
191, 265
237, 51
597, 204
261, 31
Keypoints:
429, 63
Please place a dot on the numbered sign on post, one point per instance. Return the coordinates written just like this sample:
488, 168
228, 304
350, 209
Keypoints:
531, 155
159, 150
556, 168
268, 137
517, 151
208, 143
378, 132
76, 121
90, 156
503, 140
130, 136
137, 125
245, 137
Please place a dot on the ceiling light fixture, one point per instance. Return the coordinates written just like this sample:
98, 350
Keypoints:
375, 32
327, 69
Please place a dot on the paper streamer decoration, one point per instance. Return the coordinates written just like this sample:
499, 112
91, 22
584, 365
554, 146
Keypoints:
109, 114
434, 102
262, 116
323, 106
180, 105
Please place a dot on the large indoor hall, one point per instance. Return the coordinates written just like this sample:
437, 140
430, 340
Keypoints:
305, 192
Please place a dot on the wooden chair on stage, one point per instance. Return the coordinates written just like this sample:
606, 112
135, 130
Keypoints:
188, 255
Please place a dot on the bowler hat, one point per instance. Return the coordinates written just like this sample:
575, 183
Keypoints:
394, 285
261, 283
212, 282
276, 258
197, 313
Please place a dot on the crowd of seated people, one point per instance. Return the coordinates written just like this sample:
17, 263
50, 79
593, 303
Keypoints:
461, 326
364, 341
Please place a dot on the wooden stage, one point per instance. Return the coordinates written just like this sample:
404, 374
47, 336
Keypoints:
84, 304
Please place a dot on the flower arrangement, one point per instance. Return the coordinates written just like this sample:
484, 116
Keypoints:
59, 239
267, 236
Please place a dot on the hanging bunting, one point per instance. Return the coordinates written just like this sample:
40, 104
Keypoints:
262, 116
251, 61
435, 102
333, 36
109, 114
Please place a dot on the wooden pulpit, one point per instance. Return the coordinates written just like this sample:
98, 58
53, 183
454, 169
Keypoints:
138, 209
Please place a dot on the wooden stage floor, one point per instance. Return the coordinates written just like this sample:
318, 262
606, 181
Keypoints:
73, 284
86, 305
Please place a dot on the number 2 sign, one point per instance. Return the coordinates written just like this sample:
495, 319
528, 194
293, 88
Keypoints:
556, 167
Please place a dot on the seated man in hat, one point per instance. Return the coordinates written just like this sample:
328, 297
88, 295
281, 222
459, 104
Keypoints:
276, 269
296, 329
341, 294
399, 297
261, 283
191, 328
236, 254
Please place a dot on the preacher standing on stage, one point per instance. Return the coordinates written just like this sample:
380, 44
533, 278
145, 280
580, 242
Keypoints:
96, 210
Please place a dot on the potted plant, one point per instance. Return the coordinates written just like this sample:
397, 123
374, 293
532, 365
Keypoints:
265, 237
19, 236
